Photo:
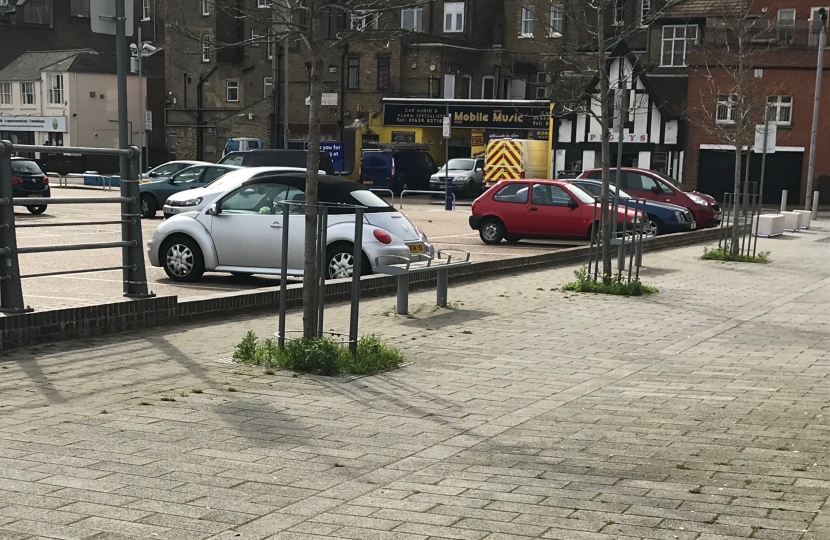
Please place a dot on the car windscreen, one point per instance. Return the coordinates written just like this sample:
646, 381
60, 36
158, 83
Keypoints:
372, 202
22, 166
461, 165
674, 184
232, 146
583, 197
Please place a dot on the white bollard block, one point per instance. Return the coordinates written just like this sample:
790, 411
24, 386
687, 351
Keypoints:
805, 218
792, 221
770, 225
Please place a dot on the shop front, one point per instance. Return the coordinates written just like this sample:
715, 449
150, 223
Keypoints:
46, 130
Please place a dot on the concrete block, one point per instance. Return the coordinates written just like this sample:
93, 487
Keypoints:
770, 225
792, 221
806, 215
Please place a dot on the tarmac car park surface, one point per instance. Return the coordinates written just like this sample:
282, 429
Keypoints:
444, 229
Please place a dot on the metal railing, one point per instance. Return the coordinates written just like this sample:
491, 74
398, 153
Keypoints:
625, 235
421, 192
132, 252
61, 179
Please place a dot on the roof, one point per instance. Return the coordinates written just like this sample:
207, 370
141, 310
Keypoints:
695, 9
27, 66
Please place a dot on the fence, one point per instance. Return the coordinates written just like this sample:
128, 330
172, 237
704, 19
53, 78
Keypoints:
738, 219
629, 239
131, 243
422, 192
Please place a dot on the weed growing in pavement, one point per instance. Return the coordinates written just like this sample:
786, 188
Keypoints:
584, 283
322, 356
727, 256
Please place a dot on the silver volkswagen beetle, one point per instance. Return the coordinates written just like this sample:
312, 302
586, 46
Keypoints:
241, 232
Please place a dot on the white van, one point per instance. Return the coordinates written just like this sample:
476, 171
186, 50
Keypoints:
242, 144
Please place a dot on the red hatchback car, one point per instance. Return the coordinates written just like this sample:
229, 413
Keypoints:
516, 209
658, 187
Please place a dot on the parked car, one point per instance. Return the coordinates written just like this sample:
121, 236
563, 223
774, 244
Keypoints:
656, 186
168, 169
516, 209
29, 181
195, 200
276, 158
154, 194
242, 144
397, 169
663, 218
241, 231
465, 174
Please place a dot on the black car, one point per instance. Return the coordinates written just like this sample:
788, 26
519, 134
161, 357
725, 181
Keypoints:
276, 158
28, 180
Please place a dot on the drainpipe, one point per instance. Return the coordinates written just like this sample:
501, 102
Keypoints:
343, 70
200, 151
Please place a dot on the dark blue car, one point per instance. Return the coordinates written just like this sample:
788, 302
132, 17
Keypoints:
665, 218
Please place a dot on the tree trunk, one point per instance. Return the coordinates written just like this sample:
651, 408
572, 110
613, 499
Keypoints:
736, 207
606, 146
310, 277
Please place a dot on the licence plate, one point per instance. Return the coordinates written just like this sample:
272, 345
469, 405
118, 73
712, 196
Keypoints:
35, 196
368, 182
416, 248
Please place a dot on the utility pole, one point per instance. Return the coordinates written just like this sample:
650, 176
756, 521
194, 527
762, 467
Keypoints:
822, 45
121, 73
142, 114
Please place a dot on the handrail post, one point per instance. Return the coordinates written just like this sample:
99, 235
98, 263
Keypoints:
11, 291
135, 274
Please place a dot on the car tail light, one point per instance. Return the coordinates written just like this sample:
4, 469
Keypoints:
16, 180
393, 168
46, 180
422, 233
382, 236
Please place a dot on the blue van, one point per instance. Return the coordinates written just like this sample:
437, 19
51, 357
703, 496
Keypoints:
396, 169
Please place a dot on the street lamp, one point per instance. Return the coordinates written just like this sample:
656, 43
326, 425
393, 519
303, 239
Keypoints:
146, 50
821, 22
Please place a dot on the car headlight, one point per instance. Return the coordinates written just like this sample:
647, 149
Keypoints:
460, 179
680, 216
189, 202
698, 199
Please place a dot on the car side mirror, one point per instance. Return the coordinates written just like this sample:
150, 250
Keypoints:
152, 175
479, 169
213, 210
573, 204
656, 190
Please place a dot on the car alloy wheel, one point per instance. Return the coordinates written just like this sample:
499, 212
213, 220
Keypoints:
491, 231
180, 260
341, 265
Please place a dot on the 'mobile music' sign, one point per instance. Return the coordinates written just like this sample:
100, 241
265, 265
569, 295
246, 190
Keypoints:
467, 116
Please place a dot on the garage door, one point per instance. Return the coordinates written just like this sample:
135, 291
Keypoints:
716, 174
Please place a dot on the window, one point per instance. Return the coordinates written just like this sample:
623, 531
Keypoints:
365, 20
549, 195
384, 69
488, 87
637, 182
56, 89
557, 20
254, 38
677, 44
527, 21
262, 3
412, 19
619, 12
258, 199
726, 108
645, 12
205, 48
145, 10
513, 193
785, 25
189, 175
205, 8
434, 87
353, 78
268, 86
6, 93
453, 16
232, 87
213, 173
449, 86
780, 110
27, 93
466, 87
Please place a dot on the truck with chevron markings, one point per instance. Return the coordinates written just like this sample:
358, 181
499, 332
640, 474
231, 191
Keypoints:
513, 159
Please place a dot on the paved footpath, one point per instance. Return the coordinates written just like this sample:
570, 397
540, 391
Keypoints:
699, 413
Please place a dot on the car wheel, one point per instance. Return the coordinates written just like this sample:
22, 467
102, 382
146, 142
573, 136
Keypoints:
491, 231
512, 238
470, 190
340, 262
182, 259
37, 209
149, 206
656, 225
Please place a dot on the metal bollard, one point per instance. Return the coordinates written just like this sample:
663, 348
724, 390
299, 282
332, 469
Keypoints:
443, 281
784, 201
134, 273
403, 295
11, 291
814, 214
356, 270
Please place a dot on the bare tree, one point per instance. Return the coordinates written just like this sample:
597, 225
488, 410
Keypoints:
319, 27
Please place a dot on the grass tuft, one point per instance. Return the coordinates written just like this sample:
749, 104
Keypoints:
585, 284
728, 256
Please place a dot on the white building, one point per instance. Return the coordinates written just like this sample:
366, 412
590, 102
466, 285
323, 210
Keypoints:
64, 98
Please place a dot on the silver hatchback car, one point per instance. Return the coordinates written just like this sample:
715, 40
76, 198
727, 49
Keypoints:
241, 232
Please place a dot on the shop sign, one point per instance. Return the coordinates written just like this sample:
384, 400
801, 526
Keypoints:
55, 124
637, 138
466, 116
